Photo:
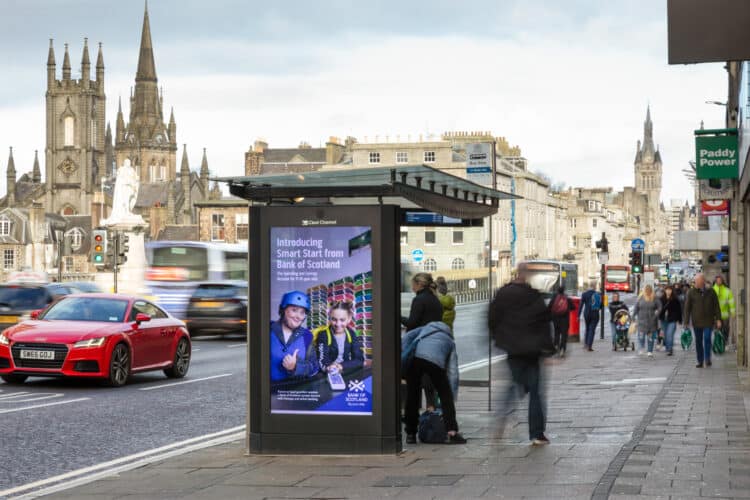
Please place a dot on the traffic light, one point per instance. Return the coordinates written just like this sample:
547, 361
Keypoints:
98, 246
724, 258
637, 265
122, 248
110, 250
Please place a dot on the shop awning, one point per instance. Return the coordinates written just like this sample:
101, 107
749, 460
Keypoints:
421, 185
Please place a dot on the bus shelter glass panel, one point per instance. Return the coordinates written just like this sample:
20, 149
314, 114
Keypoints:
461, 256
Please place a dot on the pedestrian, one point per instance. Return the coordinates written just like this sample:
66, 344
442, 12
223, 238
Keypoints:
670, 315
591, 304
726, 304
647, 310
425, 308
520, 324
434, 357
615, 304
559, 308
447, 301
702, 310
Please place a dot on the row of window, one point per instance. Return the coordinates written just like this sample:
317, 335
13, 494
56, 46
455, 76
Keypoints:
430, 265
403, 157
218, 229
430, 237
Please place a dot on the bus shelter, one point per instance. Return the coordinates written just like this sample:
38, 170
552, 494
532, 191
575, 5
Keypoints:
327, 242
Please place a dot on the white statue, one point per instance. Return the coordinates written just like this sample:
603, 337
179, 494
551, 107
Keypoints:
126, 192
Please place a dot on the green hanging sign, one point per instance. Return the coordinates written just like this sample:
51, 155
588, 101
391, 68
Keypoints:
716, 155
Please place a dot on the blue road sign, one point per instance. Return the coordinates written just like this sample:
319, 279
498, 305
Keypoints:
637, 244
417, 255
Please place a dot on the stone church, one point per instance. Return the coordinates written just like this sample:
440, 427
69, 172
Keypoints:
81, 154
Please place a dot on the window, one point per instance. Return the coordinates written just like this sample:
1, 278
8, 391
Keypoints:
402, 157
374, 157
404, 237
573, 223
68, 129
9, 258
593, 222
458, 263
217, 227
68, 261
429, 157
429, 237
241, 222
573, 242
76, 238
4, 226
458, 238
429, 265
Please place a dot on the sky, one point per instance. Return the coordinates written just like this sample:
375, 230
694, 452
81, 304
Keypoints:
568, 82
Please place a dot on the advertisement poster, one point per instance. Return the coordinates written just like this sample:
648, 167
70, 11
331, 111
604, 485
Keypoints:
714, 207
321, 329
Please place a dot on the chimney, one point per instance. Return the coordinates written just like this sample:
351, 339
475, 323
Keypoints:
334, 151
260, 146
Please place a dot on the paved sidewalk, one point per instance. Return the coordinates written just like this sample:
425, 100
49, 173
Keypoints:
622, 426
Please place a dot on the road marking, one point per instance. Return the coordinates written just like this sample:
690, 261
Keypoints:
29, 397
480, 363
184, 382
195, 350
626, 381
236, 345
115, 466
11, 410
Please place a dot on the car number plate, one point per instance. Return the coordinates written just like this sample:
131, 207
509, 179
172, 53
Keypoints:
210, 304
37, 354
8, 319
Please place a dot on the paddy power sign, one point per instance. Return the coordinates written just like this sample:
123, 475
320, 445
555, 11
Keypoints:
716, 155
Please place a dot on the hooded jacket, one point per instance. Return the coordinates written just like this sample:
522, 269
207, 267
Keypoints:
520, 321
437, 346
300, 341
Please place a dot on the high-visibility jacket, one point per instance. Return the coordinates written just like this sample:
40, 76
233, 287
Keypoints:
726, 301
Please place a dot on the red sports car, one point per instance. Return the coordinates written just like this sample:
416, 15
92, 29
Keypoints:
95, 335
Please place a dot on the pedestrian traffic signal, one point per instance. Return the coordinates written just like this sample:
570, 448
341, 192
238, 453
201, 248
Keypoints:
637, 262
98, 246
724, 258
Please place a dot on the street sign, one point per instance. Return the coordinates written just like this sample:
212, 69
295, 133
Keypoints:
417, 255
479, 163
603, 258
637, 244
716, 156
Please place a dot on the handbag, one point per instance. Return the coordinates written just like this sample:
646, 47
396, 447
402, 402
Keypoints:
718, 345
686, 339
633, 328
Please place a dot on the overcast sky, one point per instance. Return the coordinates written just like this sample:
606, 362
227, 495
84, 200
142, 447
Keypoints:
567, 81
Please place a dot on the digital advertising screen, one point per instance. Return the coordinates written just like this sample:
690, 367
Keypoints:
321, 331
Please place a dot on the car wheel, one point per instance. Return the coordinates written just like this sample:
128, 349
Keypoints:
119, 366
14, 379
181, 362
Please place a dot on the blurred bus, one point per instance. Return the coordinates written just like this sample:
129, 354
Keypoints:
617, 278
547, 275
175, 268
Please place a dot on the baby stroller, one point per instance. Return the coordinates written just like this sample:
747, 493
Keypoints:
622, 327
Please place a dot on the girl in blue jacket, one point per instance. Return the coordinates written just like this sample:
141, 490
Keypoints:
292, 352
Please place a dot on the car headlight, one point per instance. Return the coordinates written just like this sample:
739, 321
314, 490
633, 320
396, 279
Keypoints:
90, 342
3, 339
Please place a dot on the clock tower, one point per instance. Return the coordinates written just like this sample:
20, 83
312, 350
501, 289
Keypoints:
75, 145
146, 140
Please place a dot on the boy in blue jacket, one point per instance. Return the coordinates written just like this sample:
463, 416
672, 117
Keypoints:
292, 354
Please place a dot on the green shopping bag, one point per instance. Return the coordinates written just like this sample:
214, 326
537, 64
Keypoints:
686, 339
718, 346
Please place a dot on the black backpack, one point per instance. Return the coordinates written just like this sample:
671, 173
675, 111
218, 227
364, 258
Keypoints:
432, 428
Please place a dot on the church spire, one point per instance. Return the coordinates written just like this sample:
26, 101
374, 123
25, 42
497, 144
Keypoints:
51, 66
10, 174
648, 135
146, 67
85, 63
66, 64
100, 65
120, 124
36, 172
204, 173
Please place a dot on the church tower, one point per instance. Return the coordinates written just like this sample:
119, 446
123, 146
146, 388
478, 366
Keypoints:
648, 171
75, 142
148, 142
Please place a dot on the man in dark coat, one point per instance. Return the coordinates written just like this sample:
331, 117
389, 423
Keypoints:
703, 311
520, 324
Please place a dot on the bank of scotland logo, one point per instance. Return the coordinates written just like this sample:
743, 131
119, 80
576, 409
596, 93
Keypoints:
356, 386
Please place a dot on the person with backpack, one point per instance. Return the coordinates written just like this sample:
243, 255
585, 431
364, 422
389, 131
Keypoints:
430, 350
337, 345
615, 305
519, 322
647, 310
559, 308
590, 307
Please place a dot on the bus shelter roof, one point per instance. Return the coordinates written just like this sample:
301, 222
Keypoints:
424, 186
